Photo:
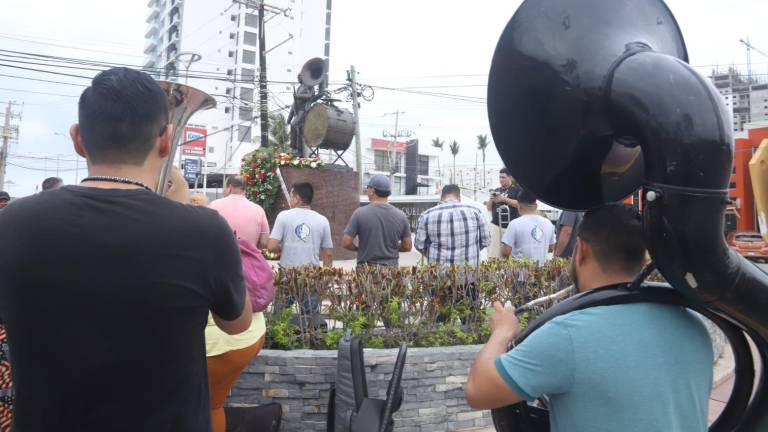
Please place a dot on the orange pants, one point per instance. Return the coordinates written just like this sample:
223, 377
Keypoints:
223, 371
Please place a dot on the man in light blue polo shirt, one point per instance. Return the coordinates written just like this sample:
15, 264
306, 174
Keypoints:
635, 367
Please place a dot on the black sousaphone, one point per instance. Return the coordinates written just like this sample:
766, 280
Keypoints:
588, 101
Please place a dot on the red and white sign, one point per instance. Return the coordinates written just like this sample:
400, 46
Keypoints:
193, 141
384, 144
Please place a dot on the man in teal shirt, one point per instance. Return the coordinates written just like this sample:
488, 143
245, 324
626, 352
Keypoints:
634, 367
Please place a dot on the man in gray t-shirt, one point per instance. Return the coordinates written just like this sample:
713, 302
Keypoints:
566, 232
382, 230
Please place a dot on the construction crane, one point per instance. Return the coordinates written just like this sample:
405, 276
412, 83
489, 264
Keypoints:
750, 47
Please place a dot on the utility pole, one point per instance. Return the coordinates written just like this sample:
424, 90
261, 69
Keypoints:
263, 79
7, 133
355, 106
395, 135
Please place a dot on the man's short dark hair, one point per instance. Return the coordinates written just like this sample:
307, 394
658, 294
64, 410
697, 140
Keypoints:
236, 182
381, 193
52, 183
451, 189
305, 191
505, 171
121, 115
527, 197
615, 233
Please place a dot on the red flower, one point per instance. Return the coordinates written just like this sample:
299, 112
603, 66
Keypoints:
274, 170
261, 176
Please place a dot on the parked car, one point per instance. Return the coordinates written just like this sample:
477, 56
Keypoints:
749, 244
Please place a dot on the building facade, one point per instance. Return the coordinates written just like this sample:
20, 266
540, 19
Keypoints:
745, 97
385, 156
225, 34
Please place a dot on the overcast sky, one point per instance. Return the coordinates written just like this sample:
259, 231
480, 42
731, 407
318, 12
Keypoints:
443, 44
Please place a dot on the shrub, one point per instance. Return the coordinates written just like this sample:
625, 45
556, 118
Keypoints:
428, 305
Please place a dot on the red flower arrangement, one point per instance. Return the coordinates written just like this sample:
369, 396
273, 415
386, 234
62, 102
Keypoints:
259, 172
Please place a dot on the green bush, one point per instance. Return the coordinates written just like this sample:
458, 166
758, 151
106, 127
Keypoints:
429, 305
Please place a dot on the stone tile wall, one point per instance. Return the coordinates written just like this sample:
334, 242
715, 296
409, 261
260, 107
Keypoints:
433, 382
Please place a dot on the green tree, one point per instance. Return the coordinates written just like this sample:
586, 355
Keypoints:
438, 144
454, 147
278, 131
482, 144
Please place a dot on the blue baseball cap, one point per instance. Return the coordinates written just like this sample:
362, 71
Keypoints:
379, 182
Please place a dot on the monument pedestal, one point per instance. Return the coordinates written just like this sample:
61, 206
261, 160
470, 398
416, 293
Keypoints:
337, 196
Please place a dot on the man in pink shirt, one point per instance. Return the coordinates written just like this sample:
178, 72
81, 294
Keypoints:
247, 220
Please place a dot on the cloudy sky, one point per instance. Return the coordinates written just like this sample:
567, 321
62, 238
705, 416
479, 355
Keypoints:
442, 46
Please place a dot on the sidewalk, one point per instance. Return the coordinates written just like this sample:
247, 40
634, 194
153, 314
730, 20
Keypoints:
722, 384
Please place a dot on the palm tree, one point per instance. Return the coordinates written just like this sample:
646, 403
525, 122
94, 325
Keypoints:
278, 131
438, 144
482, 144
454, 147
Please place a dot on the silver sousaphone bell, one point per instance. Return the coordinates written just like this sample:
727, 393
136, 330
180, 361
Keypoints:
183, 102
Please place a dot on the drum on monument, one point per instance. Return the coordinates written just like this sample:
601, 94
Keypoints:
329, 127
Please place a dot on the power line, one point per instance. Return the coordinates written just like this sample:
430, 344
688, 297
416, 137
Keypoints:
37, 92
83, 64
46, 71
6, 36
42, 169
42, 80
46, 158
462, 98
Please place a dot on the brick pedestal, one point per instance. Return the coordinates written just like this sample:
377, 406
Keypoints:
337, 195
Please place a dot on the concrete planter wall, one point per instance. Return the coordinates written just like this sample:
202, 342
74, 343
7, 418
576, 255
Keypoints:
300, 380
433, 382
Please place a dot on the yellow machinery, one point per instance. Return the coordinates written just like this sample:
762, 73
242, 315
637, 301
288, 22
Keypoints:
758, 170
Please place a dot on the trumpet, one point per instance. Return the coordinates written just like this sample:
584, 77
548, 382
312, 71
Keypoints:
183, 102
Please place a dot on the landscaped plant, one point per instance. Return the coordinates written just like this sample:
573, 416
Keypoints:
259, 170
429, 305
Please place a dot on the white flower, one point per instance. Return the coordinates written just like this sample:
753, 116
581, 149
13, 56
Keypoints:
313, 165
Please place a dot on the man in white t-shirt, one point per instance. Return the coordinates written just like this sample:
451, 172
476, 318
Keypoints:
530, 235
303, 237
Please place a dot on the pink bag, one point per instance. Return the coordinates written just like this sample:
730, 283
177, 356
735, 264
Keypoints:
257, 274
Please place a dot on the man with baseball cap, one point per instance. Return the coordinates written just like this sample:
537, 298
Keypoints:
4, 199
382, 229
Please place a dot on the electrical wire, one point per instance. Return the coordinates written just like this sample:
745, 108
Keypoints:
43, 169
98, 66
11, 37
38, 92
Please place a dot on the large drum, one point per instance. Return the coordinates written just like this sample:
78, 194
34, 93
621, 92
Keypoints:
329, 127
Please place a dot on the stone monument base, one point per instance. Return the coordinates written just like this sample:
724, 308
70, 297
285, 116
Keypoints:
337, 196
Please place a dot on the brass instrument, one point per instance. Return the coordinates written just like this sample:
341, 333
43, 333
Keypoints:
619, 105
758, 170
183, 102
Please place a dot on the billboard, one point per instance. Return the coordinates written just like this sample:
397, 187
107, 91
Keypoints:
191, 169
193, 141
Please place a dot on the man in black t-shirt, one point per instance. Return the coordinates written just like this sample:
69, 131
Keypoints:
504, 209
105, 288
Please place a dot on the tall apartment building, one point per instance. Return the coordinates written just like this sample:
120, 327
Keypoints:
225, 34
746, 98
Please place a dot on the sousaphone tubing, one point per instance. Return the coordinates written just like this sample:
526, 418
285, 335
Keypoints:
590, 100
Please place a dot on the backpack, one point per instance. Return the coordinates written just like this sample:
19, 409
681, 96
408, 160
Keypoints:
257, 275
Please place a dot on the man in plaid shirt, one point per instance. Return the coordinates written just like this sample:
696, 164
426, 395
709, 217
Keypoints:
452, 232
